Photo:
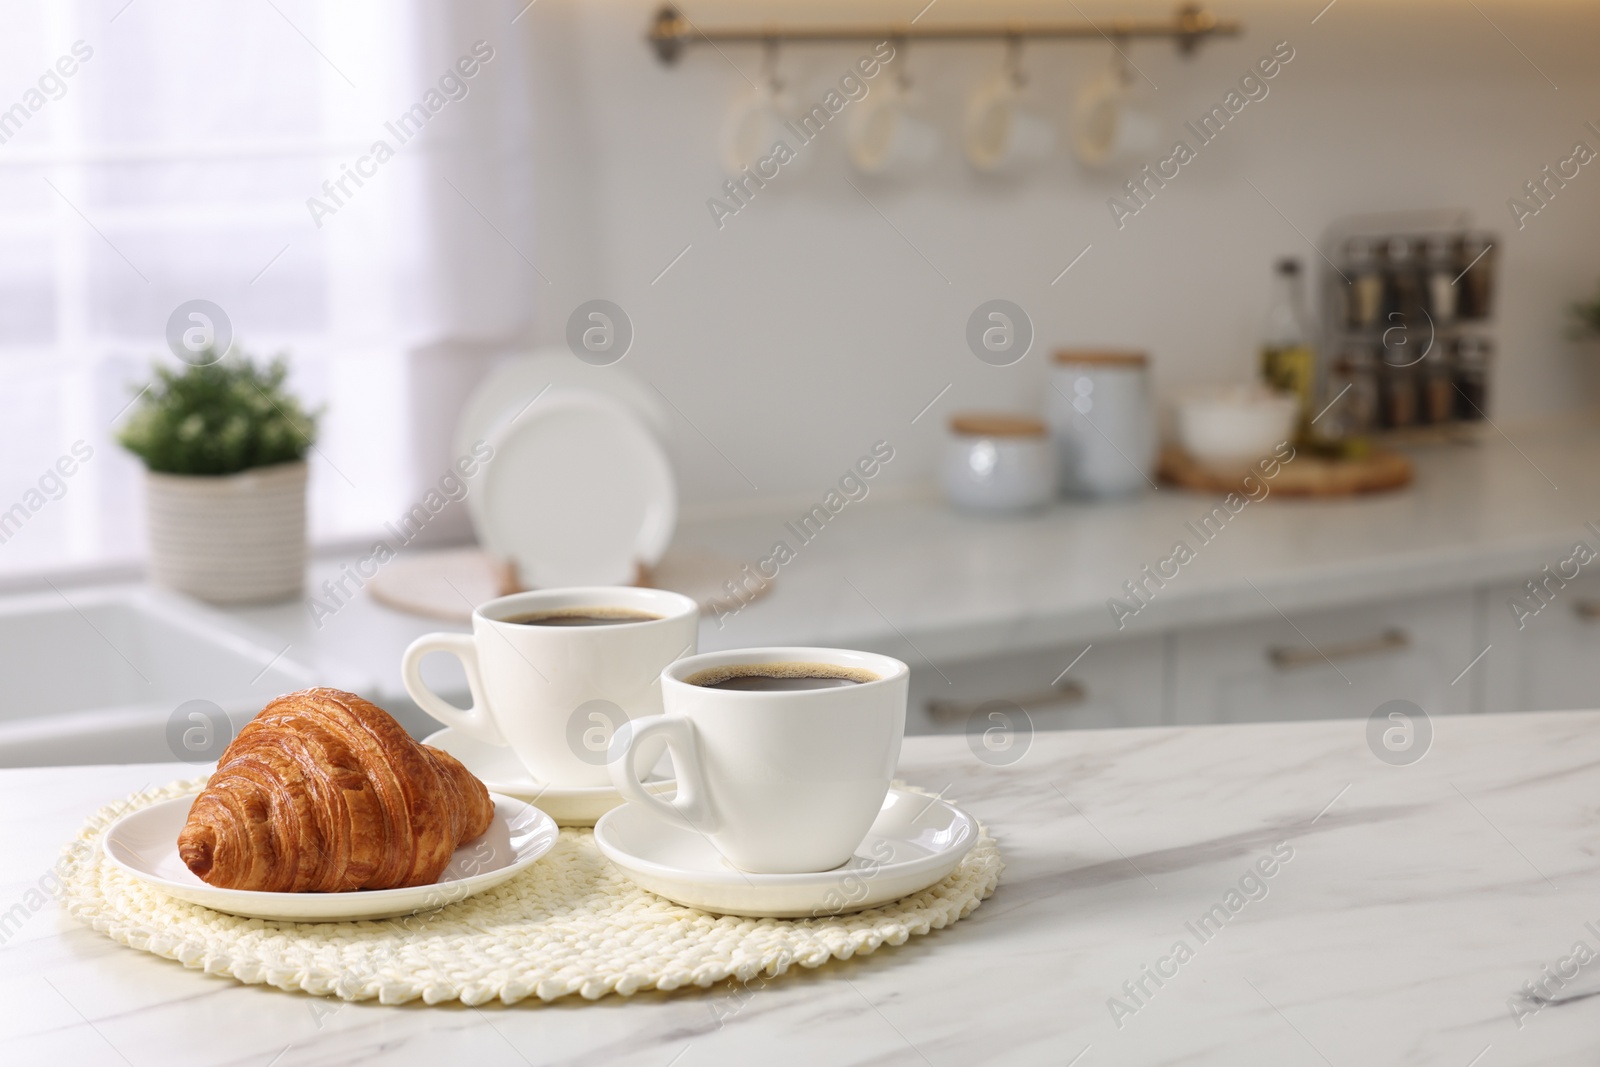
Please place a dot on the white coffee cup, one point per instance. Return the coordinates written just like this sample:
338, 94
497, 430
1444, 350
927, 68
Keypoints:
754, 124
780, 782
1110, 126
888, 135
556, 694
1001, 133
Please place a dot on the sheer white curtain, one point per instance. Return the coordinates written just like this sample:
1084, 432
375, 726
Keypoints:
167, 150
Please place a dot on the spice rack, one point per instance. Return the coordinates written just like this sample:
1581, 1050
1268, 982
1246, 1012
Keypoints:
1407, 311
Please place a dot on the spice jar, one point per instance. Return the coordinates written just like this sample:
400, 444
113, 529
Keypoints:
1364, 299
1399, 395
1401, 292
1352, 404
1471, 371
1441, 276
1476, 259
1436, 389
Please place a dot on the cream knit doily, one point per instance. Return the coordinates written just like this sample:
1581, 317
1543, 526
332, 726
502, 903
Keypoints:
571, 923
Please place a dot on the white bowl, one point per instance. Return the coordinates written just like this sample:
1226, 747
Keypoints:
1234, 425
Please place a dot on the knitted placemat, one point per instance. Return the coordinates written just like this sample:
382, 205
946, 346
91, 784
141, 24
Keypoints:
571, 923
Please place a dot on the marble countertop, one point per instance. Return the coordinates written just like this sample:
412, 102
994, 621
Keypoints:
961, 585
1332, 908
888, 575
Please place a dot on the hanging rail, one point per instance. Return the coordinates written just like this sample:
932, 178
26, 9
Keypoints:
671, 33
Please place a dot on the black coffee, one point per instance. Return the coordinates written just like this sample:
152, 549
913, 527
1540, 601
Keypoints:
755, 683
582, 617
779, 677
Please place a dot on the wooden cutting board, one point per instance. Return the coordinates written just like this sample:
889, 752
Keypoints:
1305, 475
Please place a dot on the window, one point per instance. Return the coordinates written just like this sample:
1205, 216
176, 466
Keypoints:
151, 154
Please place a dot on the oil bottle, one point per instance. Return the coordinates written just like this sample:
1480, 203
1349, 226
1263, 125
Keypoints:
1288, 360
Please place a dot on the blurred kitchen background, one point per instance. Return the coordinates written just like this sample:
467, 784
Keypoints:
827, 315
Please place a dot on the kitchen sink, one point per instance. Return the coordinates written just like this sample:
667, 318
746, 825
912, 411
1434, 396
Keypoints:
129, 675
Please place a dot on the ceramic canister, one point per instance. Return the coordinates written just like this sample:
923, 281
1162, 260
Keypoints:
1103, 421
998, 463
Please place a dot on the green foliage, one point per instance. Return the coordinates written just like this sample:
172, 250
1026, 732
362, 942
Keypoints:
1586, 318
222, 418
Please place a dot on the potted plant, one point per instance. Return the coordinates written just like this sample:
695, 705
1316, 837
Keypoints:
1585, 322
223, 444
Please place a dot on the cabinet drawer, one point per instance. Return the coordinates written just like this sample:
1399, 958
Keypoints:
1545, 661
1116, 683
1275, 669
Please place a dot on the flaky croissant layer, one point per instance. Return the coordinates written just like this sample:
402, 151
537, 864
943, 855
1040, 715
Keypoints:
324, 792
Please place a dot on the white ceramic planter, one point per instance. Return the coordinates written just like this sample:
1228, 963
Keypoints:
229, 539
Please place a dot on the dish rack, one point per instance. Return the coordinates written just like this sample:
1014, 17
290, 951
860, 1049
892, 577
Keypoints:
1407, 302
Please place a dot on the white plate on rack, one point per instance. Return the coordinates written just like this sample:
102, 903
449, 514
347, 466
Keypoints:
516, 380
579, 492
915, 842
144, 844
498, 768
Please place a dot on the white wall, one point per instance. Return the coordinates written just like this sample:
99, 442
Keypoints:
808, 328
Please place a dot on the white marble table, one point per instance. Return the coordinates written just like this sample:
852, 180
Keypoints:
1416, 903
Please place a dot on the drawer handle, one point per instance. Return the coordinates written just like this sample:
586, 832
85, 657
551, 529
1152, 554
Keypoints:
1588, 610
1066, 692
1286, 658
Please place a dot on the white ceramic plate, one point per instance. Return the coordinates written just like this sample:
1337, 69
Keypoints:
916, 841
516, 380
144, 843
579, 492
498, 768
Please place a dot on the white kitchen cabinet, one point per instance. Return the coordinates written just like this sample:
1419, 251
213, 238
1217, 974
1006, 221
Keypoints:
1277, 668
1552, 660
1118, 682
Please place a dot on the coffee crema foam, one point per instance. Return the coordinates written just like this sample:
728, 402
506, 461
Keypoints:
729, 671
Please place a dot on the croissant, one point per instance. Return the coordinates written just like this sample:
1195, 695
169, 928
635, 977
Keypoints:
324, 792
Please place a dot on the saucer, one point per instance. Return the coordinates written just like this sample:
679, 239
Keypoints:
915, 842
144, 844
498, 768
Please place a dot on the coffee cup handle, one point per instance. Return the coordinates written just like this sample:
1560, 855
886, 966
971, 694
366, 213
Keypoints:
474, 721
691, 807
